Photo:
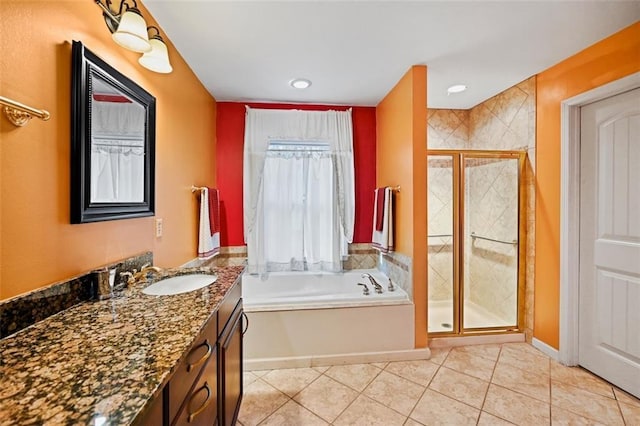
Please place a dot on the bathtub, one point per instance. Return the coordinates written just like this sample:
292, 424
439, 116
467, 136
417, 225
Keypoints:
299, 319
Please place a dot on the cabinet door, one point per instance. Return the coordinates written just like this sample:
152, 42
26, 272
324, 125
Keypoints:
200, 406
231, 370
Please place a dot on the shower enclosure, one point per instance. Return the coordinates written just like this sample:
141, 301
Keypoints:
475, 259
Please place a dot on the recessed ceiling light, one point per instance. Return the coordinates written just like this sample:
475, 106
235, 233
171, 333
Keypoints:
456, 88
300, 83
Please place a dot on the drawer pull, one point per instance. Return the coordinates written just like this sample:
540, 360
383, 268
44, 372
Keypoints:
204, 357
204, 405
247, 326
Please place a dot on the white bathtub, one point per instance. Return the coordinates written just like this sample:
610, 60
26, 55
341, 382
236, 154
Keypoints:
301, 318
308, 290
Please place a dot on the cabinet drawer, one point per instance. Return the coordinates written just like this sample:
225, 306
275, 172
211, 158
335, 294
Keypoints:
228, 304
201, 404
202, 351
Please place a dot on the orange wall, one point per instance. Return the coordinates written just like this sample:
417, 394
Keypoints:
402, 160
38, 246
608, 60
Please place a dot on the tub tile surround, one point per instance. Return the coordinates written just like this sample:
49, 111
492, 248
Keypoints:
503, 122
361, 256
104, 361
22, 311
397, 266
519, 385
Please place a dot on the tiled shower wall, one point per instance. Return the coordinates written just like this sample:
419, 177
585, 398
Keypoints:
491, 210
503, 122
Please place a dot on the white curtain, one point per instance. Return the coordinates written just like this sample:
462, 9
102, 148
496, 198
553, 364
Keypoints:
298, 208
117, 152
117, 171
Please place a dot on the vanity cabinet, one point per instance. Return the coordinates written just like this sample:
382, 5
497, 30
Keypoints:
191, 395
230, 368
206, 387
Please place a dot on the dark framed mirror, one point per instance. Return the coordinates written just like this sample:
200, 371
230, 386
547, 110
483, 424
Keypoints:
113, 122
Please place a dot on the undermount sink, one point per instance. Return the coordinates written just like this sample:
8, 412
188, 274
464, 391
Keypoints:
179, 284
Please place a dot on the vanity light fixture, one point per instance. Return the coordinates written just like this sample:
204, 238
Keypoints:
456, 88
157, 59
129, 30
300, 83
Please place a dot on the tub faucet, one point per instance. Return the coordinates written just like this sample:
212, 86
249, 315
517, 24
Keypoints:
391, 286
365, 289
374, 283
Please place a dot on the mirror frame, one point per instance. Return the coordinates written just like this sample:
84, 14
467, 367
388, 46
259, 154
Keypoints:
86, 64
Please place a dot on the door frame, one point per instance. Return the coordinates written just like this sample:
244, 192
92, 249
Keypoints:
570, 208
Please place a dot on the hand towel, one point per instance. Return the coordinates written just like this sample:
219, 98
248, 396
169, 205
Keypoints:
383, 240
214, 210
208, 242
379, 208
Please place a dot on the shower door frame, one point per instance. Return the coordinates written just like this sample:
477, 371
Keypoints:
458, 157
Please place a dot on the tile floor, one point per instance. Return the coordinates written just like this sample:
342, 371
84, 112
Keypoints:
512, 383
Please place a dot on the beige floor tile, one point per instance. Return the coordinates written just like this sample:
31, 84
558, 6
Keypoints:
326, 398
367, 412
585, 403
258, 402
411, 422
356, 376
260, 373
247, 378
622, 396
380, 365
292, 380
487, 351
523, 381
293, 413
562, 417
394, 392
631, 413
461, 387
580, 378
525, 357
321, 369
523, 347
418, 371
436, 409
487, 419
470, 364
438, 355
515, 407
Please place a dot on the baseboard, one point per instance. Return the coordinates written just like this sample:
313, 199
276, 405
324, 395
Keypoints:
486, 339
341, 359
545, 349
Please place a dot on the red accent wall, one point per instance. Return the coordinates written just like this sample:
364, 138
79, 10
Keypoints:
230, 141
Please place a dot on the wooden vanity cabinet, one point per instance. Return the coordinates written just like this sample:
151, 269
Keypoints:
230, 368
201, 356
206, 387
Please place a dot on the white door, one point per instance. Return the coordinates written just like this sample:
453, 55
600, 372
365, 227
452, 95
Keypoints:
610, 240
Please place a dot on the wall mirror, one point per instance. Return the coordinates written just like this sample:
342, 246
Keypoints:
112, 142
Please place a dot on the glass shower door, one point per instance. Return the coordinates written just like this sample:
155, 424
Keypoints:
441, 210
490, 238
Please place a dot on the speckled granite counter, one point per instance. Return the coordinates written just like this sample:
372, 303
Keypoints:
102, 362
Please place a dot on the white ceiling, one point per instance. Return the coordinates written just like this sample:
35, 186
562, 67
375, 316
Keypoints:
355, 52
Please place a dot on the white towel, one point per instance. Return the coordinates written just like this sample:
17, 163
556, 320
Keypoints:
383, 240
208, 243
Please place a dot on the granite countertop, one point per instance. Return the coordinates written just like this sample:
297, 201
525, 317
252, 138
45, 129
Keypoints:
102, 362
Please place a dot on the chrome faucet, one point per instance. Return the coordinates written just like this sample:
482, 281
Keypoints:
374, 283
391, 286
365, 289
